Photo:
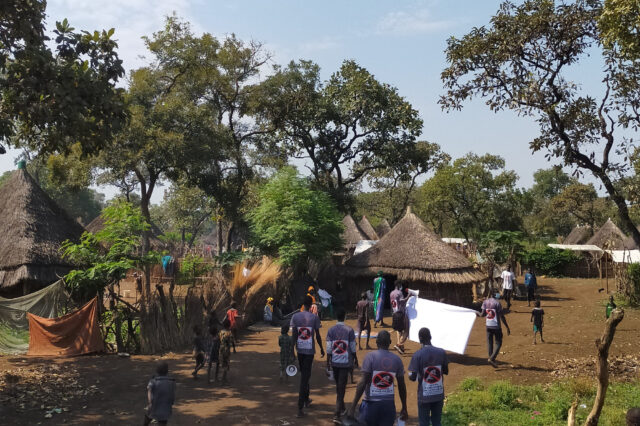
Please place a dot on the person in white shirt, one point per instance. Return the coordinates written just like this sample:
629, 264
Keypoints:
508, 281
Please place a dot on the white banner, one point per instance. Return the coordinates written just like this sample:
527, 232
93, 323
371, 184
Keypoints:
450, 325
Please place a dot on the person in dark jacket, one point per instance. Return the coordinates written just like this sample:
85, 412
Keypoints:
161, 393
531, 283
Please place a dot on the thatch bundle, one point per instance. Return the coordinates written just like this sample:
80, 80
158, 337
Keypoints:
352, 233
609, 237
367, 229
411, 251
250, 283
579, 235
33, 227
383, 228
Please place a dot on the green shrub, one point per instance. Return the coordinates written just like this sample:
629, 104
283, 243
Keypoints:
193, 266
471, 384
633, 296
503, 395
550, 261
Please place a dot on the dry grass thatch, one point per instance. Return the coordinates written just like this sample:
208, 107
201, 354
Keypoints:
33, 227
249, 283
609, 236
352, 233
413, 252
579, 235
367, 229
383, 228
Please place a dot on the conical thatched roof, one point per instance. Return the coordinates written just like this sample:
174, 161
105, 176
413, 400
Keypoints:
383, 228
609, 236
579, 235
412, 251
33, 227
352, 232
367, 229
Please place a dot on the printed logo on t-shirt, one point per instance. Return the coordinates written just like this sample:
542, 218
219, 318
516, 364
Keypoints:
305, 340
382, 383
432, 381
339, 352
492, 318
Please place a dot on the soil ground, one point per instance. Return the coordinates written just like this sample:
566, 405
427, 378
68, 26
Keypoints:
574, 318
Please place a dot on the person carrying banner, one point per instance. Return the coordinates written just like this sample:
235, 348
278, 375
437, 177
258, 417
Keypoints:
341, 351
379, 293
381, 371
428, 366
400, 320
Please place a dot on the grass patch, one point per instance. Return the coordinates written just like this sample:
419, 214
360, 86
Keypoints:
508, 404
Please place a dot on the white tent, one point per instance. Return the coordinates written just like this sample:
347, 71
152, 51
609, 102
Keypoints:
625, 256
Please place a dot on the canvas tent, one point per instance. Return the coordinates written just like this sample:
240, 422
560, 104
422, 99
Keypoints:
609, 236
383, 228
579, 235
367, 229
412, 252
33, 228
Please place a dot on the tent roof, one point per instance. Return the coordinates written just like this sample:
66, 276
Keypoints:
412, 251
608, 236
576, 247
383, 228
352, 232
579, 235
367, 229
33, 227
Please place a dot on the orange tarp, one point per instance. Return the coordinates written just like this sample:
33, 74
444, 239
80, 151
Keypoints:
76, 333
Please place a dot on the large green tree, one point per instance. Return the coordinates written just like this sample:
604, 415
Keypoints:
54, 93
295, 222
525, 61
539, 218
472, 195
345, 128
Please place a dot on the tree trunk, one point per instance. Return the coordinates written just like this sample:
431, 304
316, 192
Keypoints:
116, 319
602, 368
571, 418
219, 235
621, 203
229, 236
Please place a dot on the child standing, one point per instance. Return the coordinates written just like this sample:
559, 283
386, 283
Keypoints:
232, 316
537, 317
199, 350
160, 396
287, 356
226, 342
213, 352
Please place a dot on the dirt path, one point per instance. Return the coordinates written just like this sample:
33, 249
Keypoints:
574, 318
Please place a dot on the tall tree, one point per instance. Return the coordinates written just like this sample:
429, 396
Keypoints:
346, 128
188, 210
522, 62
54, 93
540, 219
582, 203
473, 195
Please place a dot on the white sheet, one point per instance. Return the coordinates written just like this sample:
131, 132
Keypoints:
450, 325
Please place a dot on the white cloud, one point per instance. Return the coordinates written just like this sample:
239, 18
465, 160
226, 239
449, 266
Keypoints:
326, 43
418, 21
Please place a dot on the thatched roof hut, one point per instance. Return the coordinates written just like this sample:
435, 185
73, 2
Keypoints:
412, 252
579, 235
383, 228
366, 227
33, 227
609, 237
630, 244
352, 233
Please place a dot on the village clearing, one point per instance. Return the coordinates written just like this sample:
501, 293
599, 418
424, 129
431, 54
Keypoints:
110, 390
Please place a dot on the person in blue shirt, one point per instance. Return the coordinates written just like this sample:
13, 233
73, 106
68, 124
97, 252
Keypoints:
531, 283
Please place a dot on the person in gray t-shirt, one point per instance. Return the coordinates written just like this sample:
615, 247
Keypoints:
161, 393
428, 366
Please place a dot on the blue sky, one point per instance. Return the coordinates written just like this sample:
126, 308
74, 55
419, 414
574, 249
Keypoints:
401, 42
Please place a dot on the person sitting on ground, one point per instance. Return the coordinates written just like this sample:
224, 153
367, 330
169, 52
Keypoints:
633, 417
213, 353
610, 306
428, 366
381, 370
199, 349
226, 342
161, 392
492, 310
287, 356
531, 283
268, 311
232, 316
364, 324
537, 317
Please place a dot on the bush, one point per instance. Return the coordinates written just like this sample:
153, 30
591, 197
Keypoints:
550, 261
503, 395
633, 292
192, 267
471, 384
